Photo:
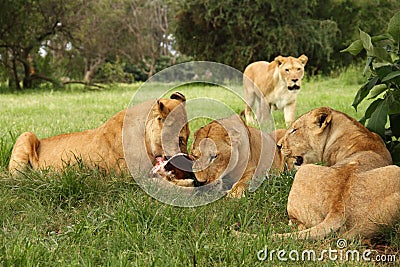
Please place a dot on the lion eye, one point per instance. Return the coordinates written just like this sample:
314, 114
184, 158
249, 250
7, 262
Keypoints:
293, 131
180, 140
287, 70
298, 69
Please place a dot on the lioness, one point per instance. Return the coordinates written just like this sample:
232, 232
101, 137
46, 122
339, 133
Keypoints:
139, 136
273, 86
228, 148
356, 193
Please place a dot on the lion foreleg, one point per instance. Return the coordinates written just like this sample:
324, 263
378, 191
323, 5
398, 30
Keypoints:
250, 97
264, 110
240, 186
289, 113
250, 101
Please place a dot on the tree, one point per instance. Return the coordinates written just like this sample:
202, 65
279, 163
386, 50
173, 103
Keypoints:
369, 15
81, 36
24, 28
240, 32
237, 33
100, 33
148, 23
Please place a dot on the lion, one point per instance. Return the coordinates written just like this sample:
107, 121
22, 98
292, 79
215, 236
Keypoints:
135, 131
228, 148
353, 190
273, 86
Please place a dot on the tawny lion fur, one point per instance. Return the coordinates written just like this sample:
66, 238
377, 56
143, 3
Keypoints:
227, 147
356, 194
273, 85
137, 129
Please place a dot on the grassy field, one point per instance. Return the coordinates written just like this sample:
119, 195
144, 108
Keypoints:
88, 218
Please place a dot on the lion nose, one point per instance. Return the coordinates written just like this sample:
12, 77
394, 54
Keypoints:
295, 80
279, 146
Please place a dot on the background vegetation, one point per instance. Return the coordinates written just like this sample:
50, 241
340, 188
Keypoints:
383, 84
129, 40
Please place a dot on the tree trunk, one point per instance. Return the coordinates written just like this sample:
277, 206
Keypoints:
26, 61
14, 76
27, 81
150, 65
88, 75
91, 68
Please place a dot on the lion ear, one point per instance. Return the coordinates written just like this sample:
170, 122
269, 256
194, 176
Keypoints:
162, 108
303, 59
279, 60
323, 117
178, 96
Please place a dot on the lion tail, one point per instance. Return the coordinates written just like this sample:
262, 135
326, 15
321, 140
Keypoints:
332, 223
24, 153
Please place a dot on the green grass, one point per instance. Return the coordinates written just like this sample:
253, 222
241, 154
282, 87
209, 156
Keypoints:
86, 217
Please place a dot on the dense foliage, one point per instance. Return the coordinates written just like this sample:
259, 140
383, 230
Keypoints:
63, 41
124, 40
239, 32
383, 85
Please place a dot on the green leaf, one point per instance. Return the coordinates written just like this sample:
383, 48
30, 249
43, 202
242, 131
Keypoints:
371, 108
354, 48
367, 65
395, 152
393, 97
363, 92
381, 53
383, 71
390, 76
395, 124
377, 90
380, 37
394, 27
366, 42
378, 118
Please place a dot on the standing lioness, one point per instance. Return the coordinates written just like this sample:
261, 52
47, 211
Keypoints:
133, 134
273, 86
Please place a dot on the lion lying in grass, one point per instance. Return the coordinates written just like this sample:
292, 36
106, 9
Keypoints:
135, 131
356, 193
228, 148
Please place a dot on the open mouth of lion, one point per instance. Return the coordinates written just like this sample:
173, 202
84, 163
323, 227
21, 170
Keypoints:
176, 169
293, 87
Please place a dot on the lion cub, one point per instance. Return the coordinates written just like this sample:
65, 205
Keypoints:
227, 149
356, 193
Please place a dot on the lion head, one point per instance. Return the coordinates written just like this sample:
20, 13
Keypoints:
167, 130
305, 140
215, 149
291, 70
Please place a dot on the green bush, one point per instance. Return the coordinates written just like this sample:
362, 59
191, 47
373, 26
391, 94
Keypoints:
113, 72
383, 84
